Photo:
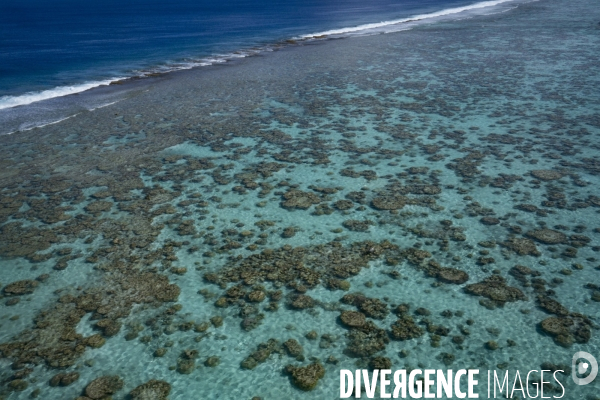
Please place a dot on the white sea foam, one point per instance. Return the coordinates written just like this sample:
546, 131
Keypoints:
386, 24
32, 97
42, 125
104, 105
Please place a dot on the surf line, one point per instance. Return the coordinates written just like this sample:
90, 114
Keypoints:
419, 384
421, 17
41, 126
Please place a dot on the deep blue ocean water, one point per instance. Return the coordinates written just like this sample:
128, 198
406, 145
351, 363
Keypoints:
44, 45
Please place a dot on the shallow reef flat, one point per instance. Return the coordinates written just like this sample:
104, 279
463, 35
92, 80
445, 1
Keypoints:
425, 198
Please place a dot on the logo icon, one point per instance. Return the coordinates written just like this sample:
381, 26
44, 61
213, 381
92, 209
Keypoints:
581, 367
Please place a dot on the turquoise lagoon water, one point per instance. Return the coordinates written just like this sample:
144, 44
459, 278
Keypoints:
459, 139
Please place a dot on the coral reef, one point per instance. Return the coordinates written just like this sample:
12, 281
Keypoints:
153, 389
306, 378
495, 289
103, 387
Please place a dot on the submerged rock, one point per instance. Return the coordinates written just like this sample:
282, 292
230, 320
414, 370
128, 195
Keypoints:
302, 302
522, 246
186, 366
293, 348
446, 275
495, 289
547, 236
405, 328
556, 326
489, 221
343, 205
356, 225
103, 387
261, 354
452, 275
546, 175
64, 379
288, 232
299, 199
20, 287
372, 308
151, 390
366, 340
492, 345
568, 330
160, 352
380, 363
312, 335
306, 378
212, 361
392, 202
353, 319
17, 385
552, 306
256, 296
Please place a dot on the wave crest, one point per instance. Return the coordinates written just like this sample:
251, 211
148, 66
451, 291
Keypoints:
367, 28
